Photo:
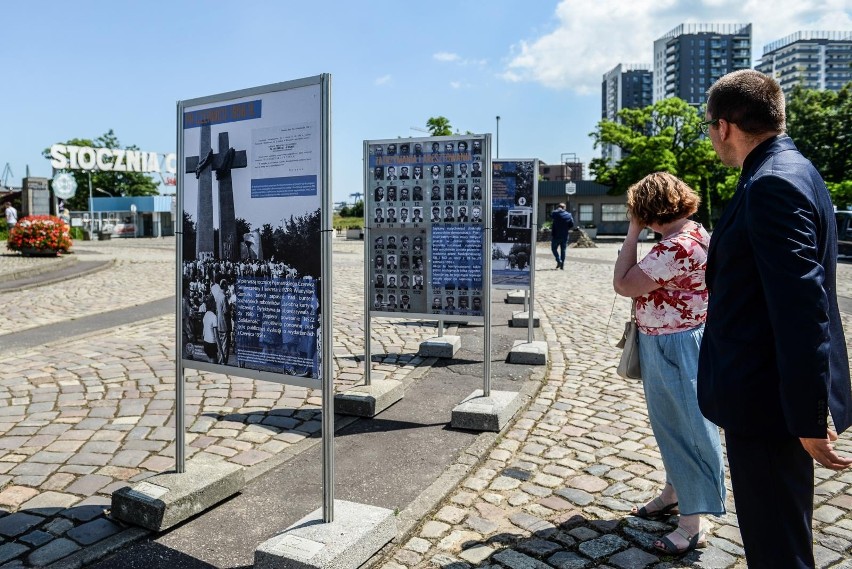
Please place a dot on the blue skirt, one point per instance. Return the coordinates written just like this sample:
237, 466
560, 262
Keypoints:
689, 443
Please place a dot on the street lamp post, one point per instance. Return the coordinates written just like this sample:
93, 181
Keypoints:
498, 136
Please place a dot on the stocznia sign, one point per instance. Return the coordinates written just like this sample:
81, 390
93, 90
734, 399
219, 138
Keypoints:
65, 157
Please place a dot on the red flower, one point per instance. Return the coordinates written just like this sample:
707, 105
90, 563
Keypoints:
44, 233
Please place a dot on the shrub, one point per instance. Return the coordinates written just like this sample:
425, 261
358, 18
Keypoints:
41, 233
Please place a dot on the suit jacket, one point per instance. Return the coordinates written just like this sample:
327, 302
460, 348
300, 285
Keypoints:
773, 358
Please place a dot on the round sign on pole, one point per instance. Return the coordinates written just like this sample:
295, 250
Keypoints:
64, 185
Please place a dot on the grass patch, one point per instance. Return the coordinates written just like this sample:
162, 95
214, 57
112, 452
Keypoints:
347, 222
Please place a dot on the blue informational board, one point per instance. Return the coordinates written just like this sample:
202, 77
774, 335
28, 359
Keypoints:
253, 191
513, 210
426, 223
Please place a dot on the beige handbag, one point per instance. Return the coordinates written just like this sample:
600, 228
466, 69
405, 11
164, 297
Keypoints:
628, 366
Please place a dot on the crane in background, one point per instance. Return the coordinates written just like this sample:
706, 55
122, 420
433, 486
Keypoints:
4, 179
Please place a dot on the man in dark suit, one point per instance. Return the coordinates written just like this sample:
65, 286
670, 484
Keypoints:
773, 360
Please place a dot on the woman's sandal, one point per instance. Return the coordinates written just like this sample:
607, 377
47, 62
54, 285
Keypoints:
661, 511
696, 541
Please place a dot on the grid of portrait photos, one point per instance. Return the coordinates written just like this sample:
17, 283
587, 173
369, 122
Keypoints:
425, 209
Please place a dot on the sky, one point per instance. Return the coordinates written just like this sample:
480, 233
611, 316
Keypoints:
78, 69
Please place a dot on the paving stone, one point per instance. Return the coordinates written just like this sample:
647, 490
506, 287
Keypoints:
417, 544
710, 558
14, 496
555, 503
11, 550
602, 546
538, 547
827, 514
515, 560
477, 553
579, 497
451, 514
51, 503
632, 559
503, 483
36, 538
568, 560
407, 558
588, 483
532, 524
481, 525
16, 524
58, 526
458, 540
433, 529
825, 557
89, 484
517, 473
53, 551
87, 509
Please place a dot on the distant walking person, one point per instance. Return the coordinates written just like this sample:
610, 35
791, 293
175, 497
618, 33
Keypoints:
773, 361
11, 215
562, 224
671, 307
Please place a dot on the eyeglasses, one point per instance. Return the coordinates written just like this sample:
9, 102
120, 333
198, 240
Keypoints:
704, 126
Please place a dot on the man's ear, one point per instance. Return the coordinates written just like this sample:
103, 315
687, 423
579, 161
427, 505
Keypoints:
725, 129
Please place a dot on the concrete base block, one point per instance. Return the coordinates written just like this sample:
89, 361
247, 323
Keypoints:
478, 413
515, 297
530, 353
440, 347
356, 534
522, 320
167, 499
369, 400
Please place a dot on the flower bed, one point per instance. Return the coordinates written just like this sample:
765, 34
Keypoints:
40, 235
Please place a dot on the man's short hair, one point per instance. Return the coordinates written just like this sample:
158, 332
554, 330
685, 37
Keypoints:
749, 99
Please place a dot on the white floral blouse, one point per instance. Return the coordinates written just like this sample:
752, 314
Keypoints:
677, 264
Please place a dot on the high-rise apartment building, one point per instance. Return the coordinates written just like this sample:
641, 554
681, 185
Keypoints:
814, 59
691, 57
625, 86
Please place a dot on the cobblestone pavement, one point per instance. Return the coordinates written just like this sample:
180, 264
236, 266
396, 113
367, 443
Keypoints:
556, 489
83, 417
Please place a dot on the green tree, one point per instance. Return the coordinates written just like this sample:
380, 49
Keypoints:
113, 183
820, 123
354, 210
439, 126
665, 136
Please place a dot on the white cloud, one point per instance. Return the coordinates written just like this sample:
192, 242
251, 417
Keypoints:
590, 38
446, 56
383, 80
455, 84
457, 59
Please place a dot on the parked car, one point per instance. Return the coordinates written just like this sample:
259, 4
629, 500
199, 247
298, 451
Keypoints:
844, 232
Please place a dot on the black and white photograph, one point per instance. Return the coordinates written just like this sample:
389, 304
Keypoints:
251, 233
410, 214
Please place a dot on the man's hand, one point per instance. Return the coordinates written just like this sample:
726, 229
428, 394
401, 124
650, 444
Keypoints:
823, 452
